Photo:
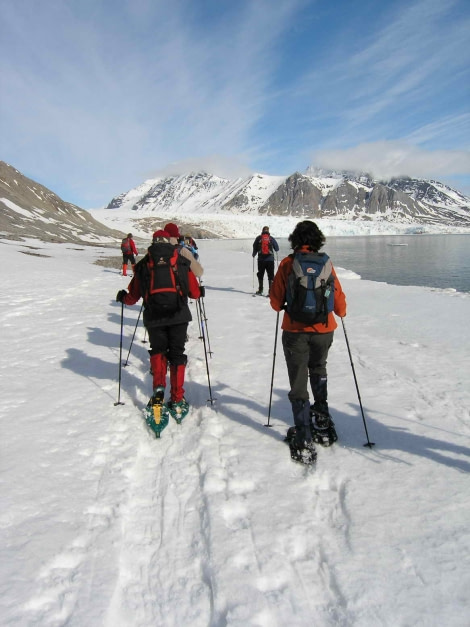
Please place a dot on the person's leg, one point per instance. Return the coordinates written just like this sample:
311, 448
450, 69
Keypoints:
158, 338
177, 358
319, 346
270, 273
260, 275
296, 353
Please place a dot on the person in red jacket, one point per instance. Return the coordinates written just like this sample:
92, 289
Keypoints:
167, 332
129, 253
306, 348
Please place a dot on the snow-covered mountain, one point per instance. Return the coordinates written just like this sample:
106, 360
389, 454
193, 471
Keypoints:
30, 210
314, 194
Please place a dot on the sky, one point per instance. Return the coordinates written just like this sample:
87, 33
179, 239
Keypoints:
103, 525
97, 96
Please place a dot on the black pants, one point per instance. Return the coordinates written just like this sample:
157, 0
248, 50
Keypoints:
169, 340
306, 354
265, 266
128, 258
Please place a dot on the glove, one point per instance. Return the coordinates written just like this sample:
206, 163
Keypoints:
120, 296
202, 289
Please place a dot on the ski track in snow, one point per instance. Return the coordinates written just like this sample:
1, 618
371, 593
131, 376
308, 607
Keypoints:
212, 524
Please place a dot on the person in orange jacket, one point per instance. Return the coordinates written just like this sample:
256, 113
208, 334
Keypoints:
306, 348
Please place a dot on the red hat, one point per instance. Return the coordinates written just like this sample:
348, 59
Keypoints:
172, 230
161, 234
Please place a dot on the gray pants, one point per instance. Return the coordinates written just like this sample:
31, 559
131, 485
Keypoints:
306, 354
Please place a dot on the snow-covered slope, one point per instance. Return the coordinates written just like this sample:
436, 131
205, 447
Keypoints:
198, 193
28, 209
315, 194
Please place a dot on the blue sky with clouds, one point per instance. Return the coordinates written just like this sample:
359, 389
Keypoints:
98, 95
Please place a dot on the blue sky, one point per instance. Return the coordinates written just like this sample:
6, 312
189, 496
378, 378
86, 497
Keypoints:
98, 95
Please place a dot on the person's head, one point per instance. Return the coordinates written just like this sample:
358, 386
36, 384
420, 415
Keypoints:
129, 235
172, 230
265, 229
307, 233
160, 236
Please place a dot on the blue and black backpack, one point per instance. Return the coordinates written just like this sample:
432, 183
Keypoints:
310, 288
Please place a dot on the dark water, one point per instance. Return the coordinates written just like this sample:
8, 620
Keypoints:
441, 261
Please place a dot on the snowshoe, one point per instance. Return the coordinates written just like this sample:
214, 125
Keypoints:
305, 453
322, 428
156, 412
179, 409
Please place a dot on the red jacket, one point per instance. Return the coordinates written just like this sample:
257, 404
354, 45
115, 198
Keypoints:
277, 296
132, 245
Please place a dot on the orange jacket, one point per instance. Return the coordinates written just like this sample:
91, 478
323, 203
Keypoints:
277, 296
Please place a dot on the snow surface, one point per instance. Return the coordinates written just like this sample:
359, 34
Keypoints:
213, 525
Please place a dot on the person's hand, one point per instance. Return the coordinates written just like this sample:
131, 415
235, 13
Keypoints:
202, 291
120, 296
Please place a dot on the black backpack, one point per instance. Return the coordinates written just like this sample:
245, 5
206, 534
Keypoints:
310, 288
164, 279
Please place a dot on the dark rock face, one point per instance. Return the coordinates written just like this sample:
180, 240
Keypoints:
297, 196
30, 210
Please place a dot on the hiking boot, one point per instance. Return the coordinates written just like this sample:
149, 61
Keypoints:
178, 409
323, 429
303, 452
158, 395
290, 435
320, 409
259, 292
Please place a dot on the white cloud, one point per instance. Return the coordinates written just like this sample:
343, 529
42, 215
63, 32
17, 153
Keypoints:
385, 159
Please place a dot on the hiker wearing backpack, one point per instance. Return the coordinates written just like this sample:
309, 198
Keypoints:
307, 288
264, 246
164, 279
189, 243
175, 238
129, 253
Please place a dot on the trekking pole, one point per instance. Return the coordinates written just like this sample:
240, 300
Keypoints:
199, 322
253, 275
368, 443
204, 318
272, 375
120, 358
144, 341
211, 400
132, 341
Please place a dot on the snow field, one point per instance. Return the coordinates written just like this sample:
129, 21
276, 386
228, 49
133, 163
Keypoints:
213, 524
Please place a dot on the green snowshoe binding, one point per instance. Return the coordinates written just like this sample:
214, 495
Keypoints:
178, 410
156, 412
